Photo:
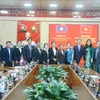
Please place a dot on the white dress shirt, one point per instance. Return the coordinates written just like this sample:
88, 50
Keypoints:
54, 50
46, 51
20, 49
62, 52
39, 50
79, 47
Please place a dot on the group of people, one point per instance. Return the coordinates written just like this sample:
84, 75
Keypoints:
52, 55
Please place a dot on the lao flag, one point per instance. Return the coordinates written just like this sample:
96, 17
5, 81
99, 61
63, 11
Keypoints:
86, 29
22, 62
61, 29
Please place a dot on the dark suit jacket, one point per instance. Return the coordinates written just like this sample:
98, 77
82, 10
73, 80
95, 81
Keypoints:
78, 54
38, 56
60, 56
6, 55
51, 56
26, 53
1, 52
18, 54
94, 54
97, 61
45, 56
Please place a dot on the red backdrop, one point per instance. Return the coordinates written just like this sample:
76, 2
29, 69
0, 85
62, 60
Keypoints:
35, 35
71, 32
62, 34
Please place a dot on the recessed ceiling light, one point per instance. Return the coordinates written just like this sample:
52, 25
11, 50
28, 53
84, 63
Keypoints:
53, 5
27, 4
79, 6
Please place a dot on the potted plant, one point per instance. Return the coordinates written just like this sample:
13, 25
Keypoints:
50, 91
49, 73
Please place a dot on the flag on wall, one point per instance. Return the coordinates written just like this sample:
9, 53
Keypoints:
61, 28
85, 29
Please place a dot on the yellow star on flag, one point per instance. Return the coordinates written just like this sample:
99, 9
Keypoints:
85, 29
34, 29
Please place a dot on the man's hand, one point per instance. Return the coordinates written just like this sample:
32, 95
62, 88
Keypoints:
17, 62
91, 60
3, 62
25, 62
54, 59
71, 62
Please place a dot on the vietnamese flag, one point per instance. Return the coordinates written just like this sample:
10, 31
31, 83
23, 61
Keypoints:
81, 63
86, 29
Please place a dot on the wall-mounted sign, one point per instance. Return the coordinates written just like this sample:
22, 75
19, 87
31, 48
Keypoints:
64, 33
49, 13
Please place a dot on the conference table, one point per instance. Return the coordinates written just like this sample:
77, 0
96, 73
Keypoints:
73, 80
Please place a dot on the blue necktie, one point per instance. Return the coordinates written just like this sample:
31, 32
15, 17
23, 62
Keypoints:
79, 48
97, 50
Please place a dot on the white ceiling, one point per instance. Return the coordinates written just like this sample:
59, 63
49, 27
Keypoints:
44, 4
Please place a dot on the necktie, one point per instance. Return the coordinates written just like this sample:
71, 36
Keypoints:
39, 50
30, 51
9, 54
97, 50
79, 48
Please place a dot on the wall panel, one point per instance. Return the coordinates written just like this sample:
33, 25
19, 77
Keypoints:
8, 26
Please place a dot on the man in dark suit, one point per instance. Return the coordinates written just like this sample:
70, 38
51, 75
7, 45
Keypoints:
38, 53
28, 51
79, 51
8, 55
97, 57
1, 53
18, 52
